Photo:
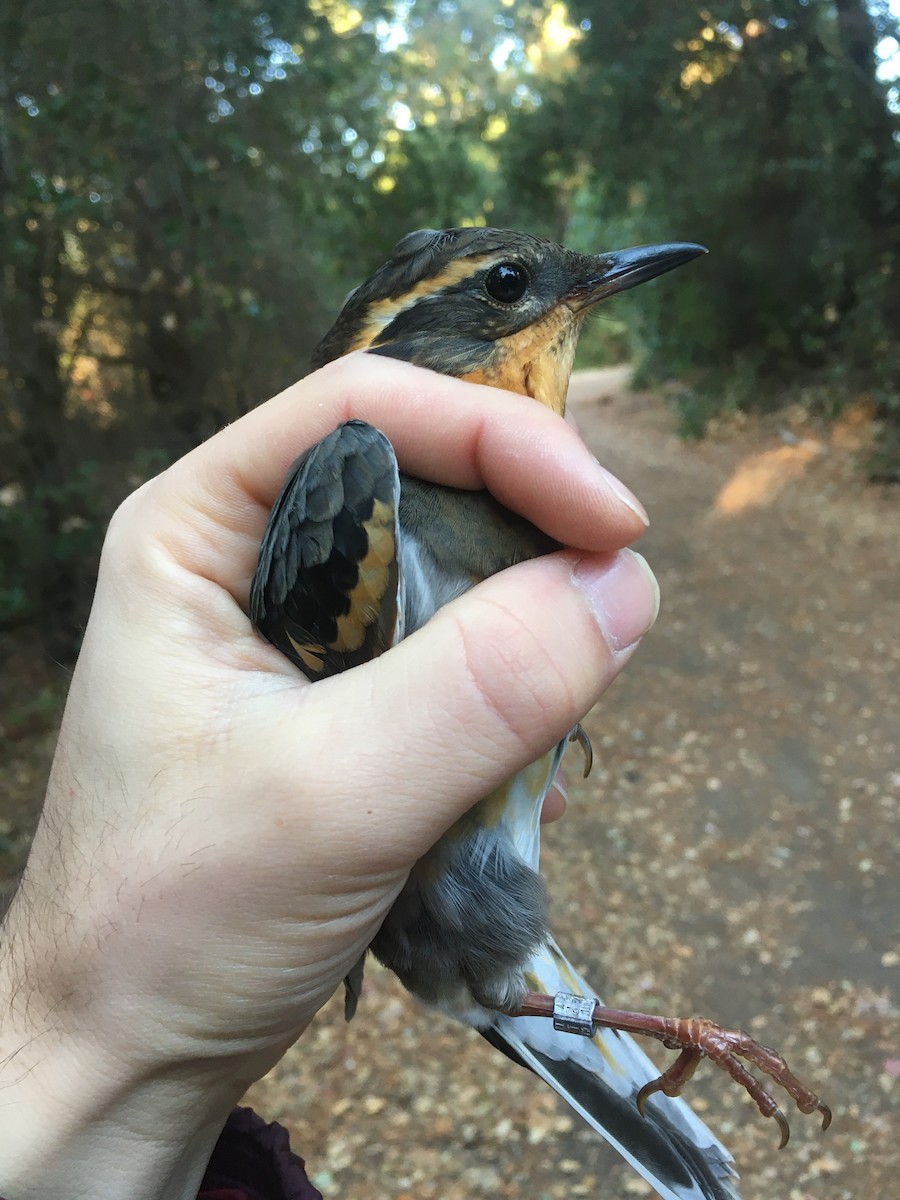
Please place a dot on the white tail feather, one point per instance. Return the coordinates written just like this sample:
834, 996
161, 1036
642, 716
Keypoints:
600, 1077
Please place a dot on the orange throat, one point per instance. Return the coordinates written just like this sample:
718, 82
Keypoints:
536, 361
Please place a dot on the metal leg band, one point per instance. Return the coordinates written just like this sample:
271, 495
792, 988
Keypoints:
572, 1014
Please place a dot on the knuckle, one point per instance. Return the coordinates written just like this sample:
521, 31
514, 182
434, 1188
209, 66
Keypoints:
518, 680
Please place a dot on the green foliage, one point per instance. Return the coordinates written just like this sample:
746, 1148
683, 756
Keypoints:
695, 409
39, 710
49, 541
188, 189
604, 342
760, 129
883, 465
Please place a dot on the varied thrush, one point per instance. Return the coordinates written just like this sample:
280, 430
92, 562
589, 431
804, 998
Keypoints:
356, 556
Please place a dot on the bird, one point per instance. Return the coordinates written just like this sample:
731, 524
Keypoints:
356, 556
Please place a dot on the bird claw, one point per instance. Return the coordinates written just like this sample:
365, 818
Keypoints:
579, 735
672, 1081
781, 1121
697, 1039
645, 1093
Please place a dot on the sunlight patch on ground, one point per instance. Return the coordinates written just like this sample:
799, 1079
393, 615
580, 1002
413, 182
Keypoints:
760, 477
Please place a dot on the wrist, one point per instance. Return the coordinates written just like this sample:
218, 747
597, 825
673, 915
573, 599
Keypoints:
71, 1130
83, 1119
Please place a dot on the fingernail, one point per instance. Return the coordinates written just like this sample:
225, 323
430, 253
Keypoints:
627, 497
623, 594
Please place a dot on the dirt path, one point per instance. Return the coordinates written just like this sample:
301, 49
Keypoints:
734, 853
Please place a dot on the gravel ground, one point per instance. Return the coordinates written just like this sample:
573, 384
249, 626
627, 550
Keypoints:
732, 855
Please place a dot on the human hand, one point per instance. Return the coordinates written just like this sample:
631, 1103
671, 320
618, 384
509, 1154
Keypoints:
220, 838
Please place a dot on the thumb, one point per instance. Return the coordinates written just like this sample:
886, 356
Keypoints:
491, 683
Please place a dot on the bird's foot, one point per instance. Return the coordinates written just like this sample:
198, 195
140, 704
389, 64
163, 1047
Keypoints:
698, 1038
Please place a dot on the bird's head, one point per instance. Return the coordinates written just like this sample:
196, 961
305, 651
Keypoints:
489, 305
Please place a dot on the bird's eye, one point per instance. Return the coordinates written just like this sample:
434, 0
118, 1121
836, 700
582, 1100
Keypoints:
507, 283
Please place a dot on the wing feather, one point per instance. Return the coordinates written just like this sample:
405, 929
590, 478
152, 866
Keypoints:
325, 587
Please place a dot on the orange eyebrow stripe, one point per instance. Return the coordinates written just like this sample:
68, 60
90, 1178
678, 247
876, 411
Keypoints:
382, 312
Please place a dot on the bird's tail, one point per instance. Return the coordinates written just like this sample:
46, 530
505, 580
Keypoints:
600, 1077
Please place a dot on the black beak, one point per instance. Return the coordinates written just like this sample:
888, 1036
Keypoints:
623, 269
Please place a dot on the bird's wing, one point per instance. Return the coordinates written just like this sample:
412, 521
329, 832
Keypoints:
325, 588
600, 1078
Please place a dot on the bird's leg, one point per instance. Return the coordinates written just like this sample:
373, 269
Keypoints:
698, 1038
578, 735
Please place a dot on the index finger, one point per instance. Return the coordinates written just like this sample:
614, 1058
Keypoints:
442, 429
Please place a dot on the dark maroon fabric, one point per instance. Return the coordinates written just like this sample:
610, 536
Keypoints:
253, 1160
